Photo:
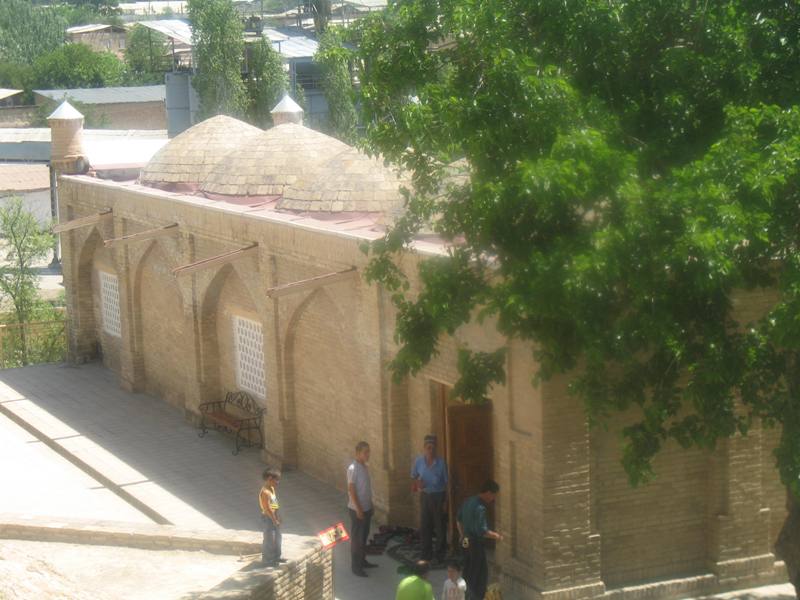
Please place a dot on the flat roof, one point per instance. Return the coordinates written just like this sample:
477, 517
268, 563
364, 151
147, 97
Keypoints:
103, 146
20, 177
355, 226
109, 95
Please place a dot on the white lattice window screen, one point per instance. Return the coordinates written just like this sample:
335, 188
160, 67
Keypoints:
109, 300
249, 356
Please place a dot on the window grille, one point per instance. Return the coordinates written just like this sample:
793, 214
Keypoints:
109, 301
249, 342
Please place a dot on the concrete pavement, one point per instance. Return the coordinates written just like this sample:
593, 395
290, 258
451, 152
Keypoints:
145, 450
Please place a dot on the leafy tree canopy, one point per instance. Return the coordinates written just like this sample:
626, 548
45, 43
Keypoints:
147, 55
634, 167
267, 82
337, 84
28, 31
218, 52
78, 66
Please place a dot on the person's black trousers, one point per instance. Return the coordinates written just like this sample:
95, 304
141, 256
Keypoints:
476, 571
359, 533
432, 521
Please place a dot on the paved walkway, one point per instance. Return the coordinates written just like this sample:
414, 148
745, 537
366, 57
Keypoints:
141, 449
145, 448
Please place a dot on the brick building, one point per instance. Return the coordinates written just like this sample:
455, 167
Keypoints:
242, 271
100, 37
127, 107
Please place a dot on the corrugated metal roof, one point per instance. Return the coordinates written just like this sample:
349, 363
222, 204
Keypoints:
94, 27
153, 7
292, 42
176, 29
6, 93
109, 95
367, 4
15, 177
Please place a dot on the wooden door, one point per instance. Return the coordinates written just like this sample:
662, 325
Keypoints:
469, 452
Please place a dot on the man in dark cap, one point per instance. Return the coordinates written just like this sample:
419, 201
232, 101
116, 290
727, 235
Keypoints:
429, 475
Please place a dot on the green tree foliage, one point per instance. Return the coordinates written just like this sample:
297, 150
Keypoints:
337, 85
147, 55
218, 52
26, 244
17, 76
93, 115
28, 31
633, 167
267, 82
78, 66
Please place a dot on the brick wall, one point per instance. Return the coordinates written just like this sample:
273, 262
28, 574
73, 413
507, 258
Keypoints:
163, 339
574, 526
136, 115
654, 531
17, 116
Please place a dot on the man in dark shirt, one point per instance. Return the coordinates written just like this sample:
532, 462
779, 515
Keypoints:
474, 529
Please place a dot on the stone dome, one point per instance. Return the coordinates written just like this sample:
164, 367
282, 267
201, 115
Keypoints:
349, 182
187, 159
271, 161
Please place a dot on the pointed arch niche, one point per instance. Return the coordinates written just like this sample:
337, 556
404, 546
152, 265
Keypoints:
325, 387
232, 339
98, 331
160, 327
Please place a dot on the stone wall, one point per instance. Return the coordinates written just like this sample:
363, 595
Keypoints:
17, 116
133, 115
575, 528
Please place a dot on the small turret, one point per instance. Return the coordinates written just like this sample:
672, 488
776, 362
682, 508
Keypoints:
67, 154
287, 111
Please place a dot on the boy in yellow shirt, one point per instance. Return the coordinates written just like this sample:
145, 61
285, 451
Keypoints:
268, 501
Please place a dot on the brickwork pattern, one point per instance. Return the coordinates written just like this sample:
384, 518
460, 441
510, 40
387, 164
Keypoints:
574, 526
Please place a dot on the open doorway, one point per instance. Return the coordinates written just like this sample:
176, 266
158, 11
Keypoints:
465, 431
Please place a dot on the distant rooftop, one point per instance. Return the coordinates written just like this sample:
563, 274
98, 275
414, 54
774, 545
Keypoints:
103, 146
367, 4
292, 42
94, 27
17, 177
175, 29
109, 95
6, 93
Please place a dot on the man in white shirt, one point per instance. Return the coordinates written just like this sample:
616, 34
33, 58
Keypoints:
359, 504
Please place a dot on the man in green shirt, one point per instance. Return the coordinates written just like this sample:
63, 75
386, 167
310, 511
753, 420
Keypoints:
416, 586
474, 529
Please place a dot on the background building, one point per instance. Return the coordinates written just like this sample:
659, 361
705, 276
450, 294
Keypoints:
100, 37
135, 107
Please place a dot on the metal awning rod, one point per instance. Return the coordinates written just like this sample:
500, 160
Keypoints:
143, 235
311, 283
213, 261
82, 221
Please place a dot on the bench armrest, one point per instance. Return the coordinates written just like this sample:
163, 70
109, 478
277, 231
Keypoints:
215, 406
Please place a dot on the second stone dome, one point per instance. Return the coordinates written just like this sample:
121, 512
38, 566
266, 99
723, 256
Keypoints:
270, 161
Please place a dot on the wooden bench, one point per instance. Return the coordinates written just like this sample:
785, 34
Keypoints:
238, 414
